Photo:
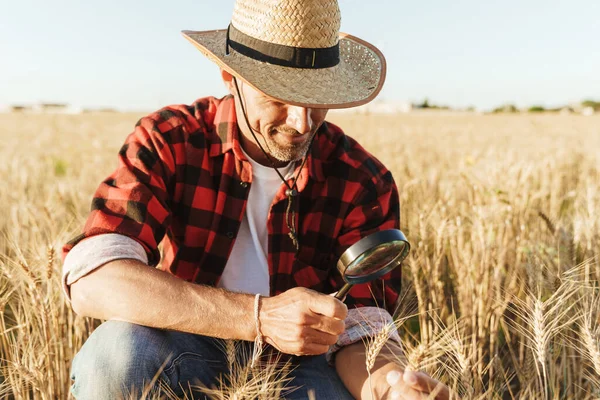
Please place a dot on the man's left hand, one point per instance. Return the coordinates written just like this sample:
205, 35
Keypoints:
388, 380
409, 385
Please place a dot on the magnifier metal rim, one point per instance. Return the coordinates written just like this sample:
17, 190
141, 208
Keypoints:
367, 243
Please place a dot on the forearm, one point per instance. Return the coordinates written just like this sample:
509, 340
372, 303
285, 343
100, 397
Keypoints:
129, 290
350, 364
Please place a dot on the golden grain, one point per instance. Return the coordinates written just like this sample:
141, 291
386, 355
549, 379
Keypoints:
503, 213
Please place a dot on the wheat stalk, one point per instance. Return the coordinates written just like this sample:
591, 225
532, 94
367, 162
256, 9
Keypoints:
542, 321
586, 342
591, 345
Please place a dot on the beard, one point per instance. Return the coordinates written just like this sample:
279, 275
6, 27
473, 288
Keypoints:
285, 150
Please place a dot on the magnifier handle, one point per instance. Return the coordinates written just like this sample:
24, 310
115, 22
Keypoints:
343, 291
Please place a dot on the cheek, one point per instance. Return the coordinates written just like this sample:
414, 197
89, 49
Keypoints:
257, 119
273, 118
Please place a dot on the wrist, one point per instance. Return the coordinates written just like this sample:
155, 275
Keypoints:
251, 326
242, 320
262, 320
350, 364
258, 341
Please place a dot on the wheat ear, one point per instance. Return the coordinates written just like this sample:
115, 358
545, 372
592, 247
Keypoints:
230, 353
373, 349
375, 345
50, 262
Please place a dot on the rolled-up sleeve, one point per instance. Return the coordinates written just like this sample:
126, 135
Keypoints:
363, 323
92, 253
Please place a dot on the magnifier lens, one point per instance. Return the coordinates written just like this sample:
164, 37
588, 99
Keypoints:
376, 259
371, 257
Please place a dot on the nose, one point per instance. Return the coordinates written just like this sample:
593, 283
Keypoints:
300, 119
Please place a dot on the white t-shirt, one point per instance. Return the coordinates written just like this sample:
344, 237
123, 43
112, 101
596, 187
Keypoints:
247, 269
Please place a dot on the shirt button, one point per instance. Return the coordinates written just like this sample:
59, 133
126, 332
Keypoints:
244, 184
230, 235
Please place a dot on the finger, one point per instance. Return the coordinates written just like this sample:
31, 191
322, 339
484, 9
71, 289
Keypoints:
328, 306
313, 349
332, 326
318, 337
305, 348
407, 393
401, 390
422, 382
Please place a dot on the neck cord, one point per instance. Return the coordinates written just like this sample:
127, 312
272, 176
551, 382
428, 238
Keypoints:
291, 191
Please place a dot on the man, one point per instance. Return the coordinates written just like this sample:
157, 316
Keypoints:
254, 197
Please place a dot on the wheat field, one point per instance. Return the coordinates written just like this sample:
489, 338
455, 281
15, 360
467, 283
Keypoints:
500, 291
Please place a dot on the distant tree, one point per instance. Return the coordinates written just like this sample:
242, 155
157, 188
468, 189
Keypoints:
536, 109
591, 103
507, 108
427, 105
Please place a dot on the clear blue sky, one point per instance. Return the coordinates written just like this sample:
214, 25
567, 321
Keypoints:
465, 52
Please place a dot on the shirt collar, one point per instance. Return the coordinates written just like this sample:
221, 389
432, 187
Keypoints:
225, 138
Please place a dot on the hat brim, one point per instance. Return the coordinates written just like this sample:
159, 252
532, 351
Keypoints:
356, 80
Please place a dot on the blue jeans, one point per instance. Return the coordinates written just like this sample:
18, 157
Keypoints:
121, 358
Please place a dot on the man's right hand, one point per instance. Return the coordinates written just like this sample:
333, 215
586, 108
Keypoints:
301, 321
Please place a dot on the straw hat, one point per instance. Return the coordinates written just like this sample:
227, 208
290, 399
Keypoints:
293, 51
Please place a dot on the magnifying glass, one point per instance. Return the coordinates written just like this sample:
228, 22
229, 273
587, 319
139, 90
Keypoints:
372, 257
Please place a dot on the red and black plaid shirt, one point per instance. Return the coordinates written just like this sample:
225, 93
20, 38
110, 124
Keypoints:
182, 179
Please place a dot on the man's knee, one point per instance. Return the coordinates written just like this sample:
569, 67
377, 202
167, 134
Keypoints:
119, 357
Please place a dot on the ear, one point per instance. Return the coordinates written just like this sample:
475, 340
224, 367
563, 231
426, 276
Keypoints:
228, 81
